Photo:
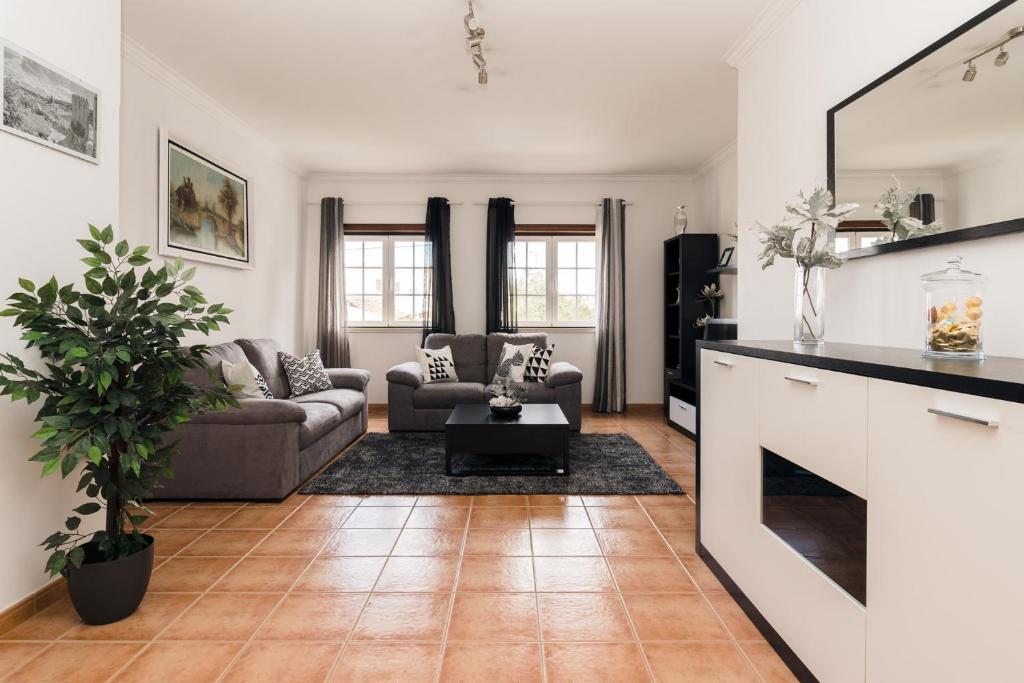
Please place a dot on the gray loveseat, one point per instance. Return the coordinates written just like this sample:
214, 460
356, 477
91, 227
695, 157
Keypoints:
414, 406
265, 448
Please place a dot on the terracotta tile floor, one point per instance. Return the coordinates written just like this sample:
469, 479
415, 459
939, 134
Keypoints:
494, 588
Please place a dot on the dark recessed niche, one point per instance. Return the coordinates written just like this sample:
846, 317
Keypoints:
820, 520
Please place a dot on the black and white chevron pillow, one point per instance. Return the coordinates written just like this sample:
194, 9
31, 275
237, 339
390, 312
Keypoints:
305, 375
538, 364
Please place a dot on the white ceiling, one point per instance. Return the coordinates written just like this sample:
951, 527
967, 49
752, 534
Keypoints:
576, 86
928, 118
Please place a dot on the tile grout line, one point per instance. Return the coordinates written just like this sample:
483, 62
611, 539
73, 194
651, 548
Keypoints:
202, 594
455, 588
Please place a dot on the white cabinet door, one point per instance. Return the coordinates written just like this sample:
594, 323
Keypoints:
730, 487
945, 580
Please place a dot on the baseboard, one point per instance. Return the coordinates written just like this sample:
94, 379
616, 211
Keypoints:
786, 654
29, 606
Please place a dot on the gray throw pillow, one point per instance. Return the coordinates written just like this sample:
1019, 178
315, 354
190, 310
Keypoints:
305, 375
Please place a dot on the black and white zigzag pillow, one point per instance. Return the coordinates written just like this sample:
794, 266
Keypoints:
538, 364
261, 384
305, 375
437, 365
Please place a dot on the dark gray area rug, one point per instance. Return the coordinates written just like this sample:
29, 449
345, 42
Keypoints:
413, 463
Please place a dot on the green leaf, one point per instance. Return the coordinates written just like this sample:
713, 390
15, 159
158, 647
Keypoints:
56, 563
88, 508
51, 467
73, 523
142, 450
76, 556
95, 456
136, 260
90, 246
107, 235
105, 379
27, 285
121, 249
78, 352
124, 356
95, 232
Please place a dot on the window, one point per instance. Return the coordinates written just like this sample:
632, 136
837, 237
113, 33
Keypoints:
386, 280
555, 281
850, 239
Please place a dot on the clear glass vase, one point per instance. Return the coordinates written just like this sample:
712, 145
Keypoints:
809, 305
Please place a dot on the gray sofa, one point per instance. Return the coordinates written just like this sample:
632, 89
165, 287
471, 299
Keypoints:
265, 449
414, 406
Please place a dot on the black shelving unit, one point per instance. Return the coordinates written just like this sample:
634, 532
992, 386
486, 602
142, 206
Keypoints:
690, 262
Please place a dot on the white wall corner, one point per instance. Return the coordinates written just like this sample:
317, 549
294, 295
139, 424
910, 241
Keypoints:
133, 52
715, 159
578, 178
766, 22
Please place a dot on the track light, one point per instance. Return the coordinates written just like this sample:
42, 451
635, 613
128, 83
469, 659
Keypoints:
474, 43
1003, 57
971, 72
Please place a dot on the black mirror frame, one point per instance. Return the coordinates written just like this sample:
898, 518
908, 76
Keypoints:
961, 235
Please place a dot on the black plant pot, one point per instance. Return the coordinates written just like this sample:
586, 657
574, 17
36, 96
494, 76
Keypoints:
107, 591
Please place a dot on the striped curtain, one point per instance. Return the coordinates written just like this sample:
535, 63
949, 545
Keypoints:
610, 381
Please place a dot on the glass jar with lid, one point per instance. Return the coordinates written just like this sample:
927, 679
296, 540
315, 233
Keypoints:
954, 301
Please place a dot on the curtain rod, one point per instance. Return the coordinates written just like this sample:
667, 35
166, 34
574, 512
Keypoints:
515, 203
385, 203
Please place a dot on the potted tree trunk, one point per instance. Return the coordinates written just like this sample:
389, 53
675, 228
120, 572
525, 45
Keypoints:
112, 384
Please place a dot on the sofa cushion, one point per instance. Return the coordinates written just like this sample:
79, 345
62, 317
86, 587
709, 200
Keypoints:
320, 419
469, 351
263, 354
347, 401
536, 392
229, 352
496, 340
447, 395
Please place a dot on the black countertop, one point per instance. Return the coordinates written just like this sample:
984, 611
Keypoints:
995, 377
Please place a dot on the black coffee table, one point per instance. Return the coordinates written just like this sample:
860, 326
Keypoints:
541, 429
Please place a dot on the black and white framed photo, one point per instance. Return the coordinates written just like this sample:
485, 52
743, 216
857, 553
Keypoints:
204, 207
46, 104
726, 257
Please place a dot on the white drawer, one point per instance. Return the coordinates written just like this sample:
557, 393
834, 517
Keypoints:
682, 413
817, 419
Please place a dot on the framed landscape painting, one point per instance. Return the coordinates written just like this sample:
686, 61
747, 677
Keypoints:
204, 208
47, 105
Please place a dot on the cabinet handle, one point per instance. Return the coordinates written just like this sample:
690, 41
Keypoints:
801, 380
724, 364
965, 418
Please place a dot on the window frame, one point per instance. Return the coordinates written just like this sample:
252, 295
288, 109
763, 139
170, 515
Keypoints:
387, 282
551, 280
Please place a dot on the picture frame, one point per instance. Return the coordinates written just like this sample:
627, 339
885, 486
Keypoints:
726, 257
48, 105
204, 207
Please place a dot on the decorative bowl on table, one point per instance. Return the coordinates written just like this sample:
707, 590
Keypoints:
503, 406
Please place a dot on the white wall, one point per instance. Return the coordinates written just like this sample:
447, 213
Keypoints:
716, 212
823, 51
265, 300
46, 200
988, 192
648, 223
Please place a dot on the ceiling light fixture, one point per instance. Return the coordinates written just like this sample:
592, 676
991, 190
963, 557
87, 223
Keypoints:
1001, 58
475, 44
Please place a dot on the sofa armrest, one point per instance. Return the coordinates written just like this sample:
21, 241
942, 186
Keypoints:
409, 374
252, 411
562, 373
349, 378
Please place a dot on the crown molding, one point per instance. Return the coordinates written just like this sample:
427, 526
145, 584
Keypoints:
715, 159
133, 52
889, 173
567, 178
765, 23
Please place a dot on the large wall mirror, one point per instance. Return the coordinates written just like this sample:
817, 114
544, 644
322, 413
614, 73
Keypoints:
946, 128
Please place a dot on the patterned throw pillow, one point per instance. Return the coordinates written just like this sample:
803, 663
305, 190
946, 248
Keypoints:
245, 376
538, 364
437, 365
513, 361
305, 375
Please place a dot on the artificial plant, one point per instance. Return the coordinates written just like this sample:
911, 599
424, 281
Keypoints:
112, 383
893, 207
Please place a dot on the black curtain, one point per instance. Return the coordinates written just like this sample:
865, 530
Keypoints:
440, 303
500, 293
